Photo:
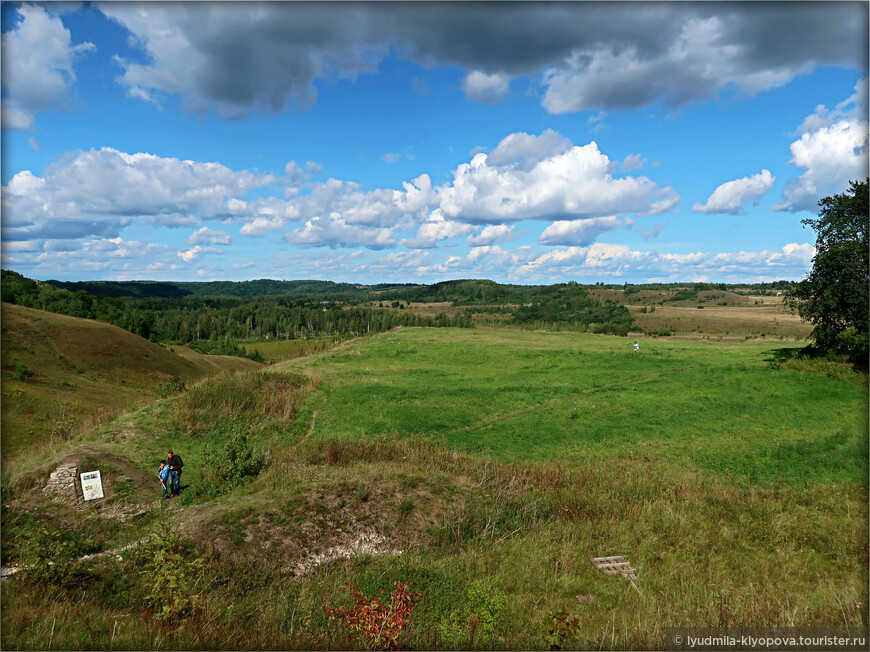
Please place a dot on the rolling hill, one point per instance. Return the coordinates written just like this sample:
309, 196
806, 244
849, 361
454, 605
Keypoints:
59, 372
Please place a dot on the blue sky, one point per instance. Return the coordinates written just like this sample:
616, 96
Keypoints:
378, 142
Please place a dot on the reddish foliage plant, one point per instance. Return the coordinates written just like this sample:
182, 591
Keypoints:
379, 623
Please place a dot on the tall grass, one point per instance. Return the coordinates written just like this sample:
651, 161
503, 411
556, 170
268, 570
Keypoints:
708, 553
254, 393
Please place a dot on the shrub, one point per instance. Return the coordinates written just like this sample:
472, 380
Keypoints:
481, 612
562, 626
168, 578
169, 387
23, 372
379, 624
188, 497
48, 555
233, 465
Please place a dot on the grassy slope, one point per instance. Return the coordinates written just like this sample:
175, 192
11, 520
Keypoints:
736, 489
576, 398
84, 371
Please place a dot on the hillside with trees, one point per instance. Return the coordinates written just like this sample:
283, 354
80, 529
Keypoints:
225, 312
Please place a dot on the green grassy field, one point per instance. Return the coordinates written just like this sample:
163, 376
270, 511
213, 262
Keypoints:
484, 469
278, 350
576, 398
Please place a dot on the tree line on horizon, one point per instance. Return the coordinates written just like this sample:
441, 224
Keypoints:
166, 312
212, 324
213, 316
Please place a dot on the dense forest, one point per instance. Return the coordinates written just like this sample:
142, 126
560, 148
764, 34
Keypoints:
214, 316
194, 318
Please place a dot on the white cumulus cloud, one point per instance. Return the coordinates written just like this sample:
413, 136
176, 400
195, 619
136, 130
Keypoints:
491, 235
261, 226
831, 151
98, 192
334, 231
38, 66
732, 195
529, 183
581, 233
436, 229
601, 260
197, 251
486, 88
206, 235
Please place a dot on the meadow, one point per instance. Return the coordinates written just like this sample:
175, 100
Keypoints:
278, 350
517, 396
483, 469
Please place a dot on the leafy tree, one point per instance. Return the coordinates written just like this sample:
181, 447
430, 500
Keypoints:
834, 297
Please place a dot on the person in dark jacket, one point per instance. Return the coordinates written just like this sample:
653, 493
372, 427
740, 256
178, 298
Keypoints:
174, 463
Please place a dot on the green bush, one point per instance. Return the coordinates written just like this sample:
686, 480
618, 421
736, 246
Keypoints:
188, 496
562, 626
48, 555
232, 464
169, 387
169, 575
478, 619
23, 372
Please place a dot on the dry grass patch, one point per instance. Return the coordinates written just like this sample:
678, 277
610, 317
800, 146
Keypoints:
256, 394
732, 322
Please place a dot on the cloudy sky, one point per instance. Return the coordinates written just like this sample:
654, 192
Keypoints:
419, 142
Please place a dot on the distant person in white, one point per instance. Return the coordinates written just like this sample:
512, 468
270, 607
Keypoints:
636, 346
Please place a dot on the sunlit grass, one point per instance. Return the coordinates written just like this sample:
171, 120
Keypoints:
498, 463
575, 398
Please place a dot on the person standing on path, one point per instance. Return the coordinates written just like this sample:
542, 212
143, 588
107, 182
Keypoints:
174, 465
163, 474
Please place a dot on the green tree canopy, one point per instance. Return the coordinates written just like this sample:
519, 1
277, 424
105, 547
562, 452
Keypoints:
834, 297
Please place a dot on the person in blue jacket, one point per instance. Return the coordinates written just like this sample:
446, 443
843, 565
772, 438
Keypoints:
163, 474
